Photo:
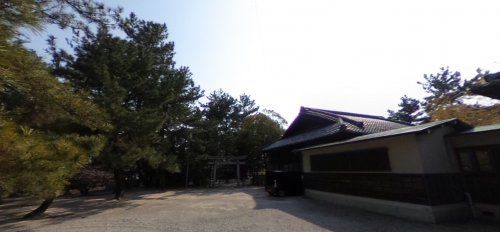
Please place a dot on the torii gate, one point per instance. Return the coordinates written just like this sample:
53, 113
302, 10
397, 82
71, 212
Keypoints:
222, 160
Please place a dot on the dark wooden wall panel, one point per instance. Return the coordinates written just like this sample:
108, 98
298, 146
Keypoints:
429, 189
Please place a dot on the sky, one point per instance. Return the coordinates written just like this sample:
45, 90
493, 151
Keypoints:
355, 56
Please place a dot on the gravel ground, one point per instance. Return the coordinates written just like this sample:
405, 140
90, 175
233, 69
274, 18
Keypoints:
228, 209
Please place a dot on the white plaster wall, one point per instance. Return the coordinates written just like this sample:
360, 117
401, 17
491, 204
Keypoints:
306, 163
403, 152
416, 212
435, 156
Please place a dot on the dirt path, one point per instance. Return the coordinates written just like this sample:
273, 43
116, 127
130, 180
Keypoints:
230, 209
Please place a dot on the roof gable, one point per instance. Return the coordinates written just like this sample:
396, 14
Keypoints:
314, 124
308, 121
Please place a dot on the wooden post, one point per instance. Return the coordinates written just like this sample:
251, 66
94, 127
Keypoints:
214, 173
238, 172
187, 173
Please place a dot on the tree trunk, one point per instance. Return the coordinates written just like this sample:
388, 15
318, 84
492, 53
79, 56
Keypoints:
187, 173
118, 184
162, 180
40, 210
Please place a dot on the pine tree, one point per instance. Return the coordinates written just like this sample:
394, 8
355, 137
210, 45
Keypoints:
48, 131
223, 117
446, 91
137, 83
409, 111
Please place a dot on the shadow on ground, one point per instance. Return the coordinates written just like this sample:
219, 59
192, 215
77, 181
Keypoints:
344, 219
244, 209
77, 207
62, 209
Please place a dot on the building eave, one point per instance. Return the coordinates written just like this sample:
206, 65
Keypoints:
392, 133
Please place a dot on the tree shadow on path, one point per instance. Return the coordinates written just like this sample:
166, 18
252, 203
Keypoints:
62, 209
78, 207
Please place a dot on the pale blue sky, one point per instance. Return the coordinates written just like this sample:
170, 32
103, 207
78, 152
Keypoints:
357, 56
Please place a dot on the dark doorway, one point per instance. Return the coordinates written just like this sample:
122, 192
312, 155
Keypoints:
481, 168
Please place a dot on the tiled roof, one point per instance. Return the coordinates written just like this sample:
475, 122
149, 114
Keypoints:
307, 136
391, 133
491, 88
482, 129
341, 122
359, 123
492, 77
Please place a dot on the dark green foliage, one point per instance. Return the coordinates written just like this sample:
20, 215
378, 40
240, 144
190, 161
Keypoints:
116, 101
234, 127
90, 177
48, 131
441, 83
15, 14
77, 15
135, 80
444, 84
258, 131
446, 93
223, 117
409, 111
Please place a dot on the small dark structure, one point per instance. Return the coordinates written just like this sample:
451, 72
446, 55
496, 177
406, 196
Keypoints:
282, 183
491, 88
312, 127
236, 165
